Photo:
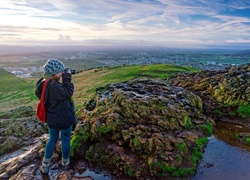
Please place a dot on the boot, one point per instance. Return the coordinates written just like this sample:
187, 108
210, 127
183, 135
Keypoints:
65, 164
45, 166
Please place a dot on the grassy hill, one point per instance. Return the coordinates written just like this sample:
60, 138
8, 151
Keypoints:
16, 91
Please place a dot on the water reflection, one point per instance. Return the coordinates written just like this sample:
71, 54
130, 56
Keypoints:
225, 157
93, 175
227, 132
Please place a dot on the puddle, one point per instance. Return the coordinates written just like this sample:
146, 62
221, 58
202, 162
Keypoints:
94, 175
225, 157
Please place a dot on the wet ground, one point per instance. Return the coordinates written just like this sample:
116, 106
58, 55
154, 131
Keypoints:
225, 157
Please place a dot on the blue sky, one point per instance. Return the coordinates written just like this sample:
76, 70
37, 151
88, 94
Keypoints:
171, 23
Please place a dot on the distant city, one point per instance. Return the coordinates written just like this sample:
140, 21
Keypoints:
23, 72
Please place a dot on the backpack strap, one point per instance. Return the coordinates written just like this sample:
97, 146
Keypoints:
44, 89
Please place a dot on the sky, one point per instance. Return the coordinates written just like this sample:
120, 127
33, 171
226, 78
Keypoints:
170, 23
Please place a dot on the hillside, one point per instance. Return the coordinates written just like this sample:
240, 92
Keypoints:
15, 92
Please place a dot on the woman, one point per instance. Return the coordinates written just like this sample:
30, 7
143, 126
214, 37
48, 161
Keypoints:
59, 110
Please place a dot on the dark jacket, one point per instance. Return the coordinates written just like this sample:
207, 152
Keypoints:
59, 109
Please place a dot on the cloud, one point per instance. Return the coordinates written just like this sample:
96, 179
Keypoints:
64, 38
159, 21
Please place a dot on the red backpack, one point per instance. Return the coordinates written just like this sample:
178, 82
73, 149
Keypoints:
41, 110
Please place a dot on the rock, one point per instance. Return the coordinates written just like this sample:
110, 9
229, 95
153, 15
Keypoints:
224, 93
12, 163
141, 126
208, 165
19, 132
22, 111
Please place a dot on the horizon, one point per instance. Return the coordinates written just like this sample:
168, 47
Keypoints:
6, 50
165, 23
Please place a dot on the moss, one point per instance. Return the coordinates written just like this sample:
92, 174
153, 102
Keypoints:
78, 139
244, 110
197, 150
103, 129
116, 160
218, 112
233, 113
201, 142
2, 150
128, 171
183, 172
247, 140
209, 128
188, 123
137, 143
196, 155
179, 157
161, 169
87, 155
183, 148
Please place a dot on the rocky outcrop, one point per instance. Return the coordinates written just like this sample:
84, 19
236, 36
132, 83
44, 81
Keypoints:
23, 139
18, 128
143, 128
224, 93
20, 139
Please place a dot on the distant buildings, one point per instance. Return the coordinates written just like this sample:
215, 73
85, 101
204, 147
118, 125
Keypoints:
23, 72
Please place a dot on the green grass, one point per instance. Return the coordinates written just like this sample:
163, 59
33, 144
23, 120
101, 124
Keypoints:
16, 91
160, 71
87, 81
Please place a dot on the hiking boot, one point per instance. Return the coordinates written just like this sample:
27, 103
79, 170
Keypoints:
44, 168
65, 164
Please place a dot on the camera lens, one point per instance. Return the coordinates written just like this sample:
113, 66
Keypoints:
72, 70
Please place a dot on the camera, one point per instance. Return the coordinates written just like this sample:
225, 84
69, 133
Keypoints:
72, 70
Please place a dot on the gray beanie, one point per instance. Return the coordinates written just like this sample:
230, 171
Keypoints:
53, 66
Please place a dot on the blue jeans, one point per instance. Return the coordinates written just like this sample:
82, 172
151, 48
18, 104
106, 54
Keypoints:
53, 138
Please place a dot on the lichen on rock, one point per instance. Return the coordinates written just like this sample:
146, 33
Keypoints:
142, 127
225, 93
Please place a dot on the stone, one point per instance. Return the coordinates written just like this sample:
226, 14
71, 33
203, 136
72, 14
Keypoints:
147, 115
